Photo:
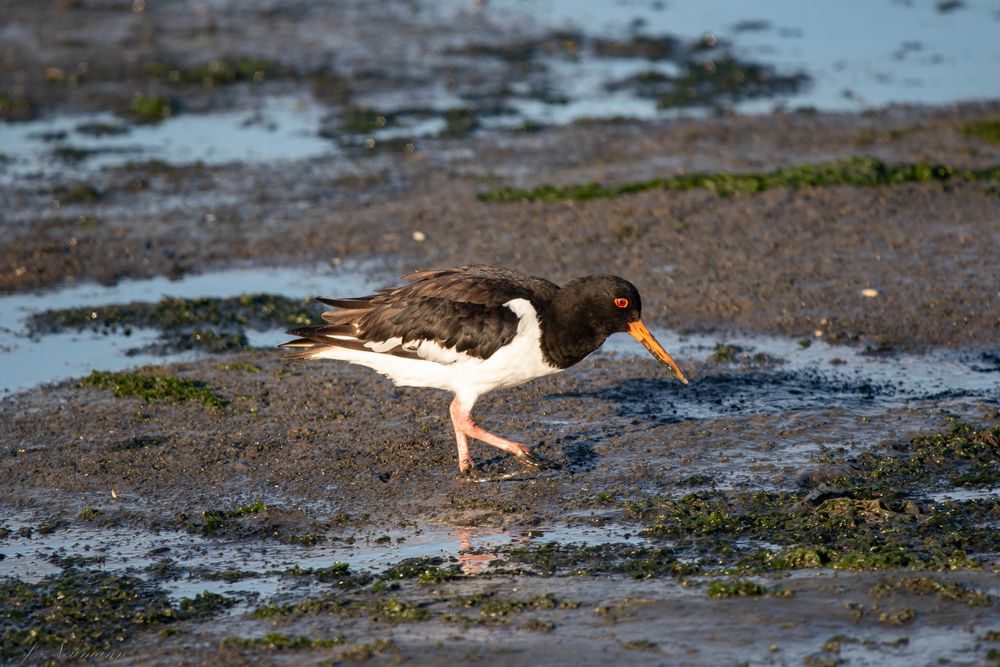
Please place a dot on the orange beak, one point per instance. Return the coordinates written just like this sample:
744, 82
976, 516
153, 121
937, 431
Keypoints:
639, 331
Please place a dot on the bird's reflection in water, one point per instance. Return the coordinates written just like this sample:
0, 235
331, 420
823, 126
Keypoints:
475, 560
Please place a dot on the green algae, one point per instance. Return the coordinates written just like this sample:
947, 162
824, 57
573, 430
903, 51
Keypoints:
238, 366
229, 576
88, 611
856, 535
257, 311
537, 625
76, 193
953, 591
336, 573
206, 340
215, 522
985, 129
648, 47
218, 72
367, 650
524, 51
151, 109
395, 611
725, 353
459, 122
89, 514
424, 569
58, 223
724, 81
493, 610
215, 325
361, 119
204, 604
735, 588
898, 617
73, 154
276, 641
640, 645
253, 520
99, 129
870, 137
853, 171
857, 521
388, 611
638, 562
965, 455
17, 108
50, 526
307, 607
154, 387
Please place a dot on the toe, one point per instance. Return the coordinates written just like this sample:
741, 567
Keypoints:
530, 459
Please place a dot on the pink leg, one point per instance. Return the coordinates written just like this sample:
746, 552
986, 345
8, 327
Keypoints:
465, 463
461, 419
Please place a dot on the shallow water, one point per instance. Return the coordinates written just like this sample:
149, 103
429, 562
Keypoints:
280, 128
859, 54
28, 362
818, 376
134, 550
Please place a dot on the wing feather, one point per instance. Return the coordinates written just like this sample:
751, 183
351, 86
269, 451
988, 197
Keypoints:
439, 314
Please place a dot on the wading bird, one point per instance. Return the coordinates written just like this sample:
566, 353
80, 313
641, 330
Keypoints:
474, 329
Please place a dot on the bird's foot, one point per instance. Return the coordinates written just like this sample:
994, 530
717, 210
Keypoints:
534, 461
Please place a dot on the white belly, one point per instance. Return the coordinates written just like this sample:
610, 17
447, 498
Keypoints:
468, 377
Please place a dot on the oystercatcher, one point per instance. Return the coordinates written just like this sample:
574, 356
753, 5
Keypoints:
474, 329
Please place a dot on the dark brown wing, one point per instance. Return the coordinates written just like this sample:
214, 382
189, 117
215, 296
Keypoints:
459, 309
478, 283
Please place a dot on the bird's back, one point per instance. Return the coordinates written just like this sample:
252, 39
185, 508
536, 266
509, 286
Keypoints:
461, 310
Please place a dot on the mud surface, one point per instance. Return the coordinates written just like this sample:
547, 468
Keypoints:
824, 492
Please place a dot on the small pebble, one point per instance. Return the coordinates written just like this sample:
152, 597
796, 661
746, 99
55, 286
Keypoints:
869, 293
419, 237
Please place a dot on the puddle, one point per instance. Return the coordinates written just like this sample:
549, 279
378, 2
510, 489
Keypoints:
280, 128
858, 55
962, 495
26, 362
815, 377
137, 551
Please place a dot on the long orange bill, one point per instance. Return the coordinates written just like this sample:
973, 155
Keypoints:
641, 334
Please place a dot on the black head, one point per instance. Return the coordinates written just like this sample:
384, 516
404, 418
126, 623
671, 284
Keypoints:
590, 309
604, 304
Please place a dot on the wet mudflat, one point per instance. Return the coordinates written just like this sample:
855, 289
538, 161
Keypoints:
171, 492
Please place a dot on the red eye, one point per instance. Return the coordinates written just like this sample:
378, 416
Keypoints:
621, 303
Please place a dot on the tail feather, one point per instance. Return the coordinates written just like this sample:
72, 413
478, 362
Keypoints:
350, 304
315, 340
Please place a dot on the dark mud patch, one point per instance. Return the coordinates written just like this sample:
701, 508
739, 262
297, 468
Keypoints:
715, 83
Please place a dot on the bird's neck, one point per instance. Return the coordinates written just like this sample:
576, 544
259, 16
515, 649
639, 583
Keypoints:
568, 333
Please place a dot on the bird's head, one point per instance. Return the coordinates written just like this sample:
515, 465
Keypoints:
613, 305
